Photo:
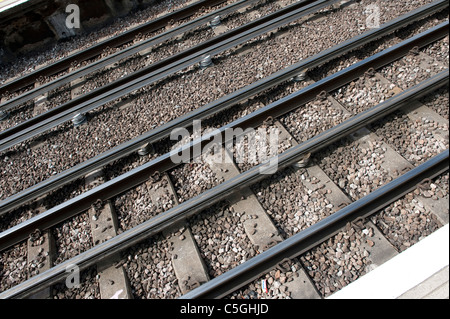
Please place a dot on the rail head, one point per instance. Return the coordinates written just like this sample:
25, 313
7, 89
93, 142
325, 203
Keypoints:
222, 191
112, 42
186, 120
314, 235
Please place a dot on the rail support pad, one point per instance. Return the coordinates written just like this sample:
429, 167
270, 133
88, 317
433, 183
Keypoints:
257, 224
113, 281
187, 263
41, 253
260, 228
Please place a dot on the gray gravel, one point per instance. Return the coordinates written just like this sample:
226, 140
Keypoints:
72, 237
442, 183
18, 216
28, 63
218, 231
338, 261
357, 172
439, 51
149, 268
414, 140
407, 72
435, 50
161, 103
89, 287
13, 266
192, 179
362, 94
53, 199
438, 101
253, 149
312, 119
406, 221
221, 238
289, 203
135, 206
276, 281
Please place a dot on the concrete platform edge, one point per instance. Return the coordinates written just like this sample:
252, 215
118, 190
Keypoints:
403, 272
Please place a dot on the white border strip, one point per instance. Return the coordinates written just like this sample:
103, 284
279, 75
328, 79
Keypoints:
11, 5
403, 272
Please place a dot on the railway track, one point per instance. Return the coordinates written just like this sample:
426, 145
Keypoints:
146, 226
164, 130
99, 48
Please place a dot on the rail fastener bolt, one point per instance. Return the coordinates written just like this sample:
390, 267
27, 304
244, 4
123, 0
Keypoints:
3, 115
215, 21
78, 119
300, 77
206, 61
146, 149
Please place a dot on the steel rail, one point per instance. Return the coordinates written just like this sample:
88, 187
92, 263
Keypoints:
316, 234
157, 71
97, 49
219, 192
131, 146
127, 52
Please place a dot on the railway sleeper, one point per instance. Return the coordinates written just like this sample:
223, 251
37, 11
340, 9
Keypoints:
113, 281
188, 265
40, 255
257, 224
378, 247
